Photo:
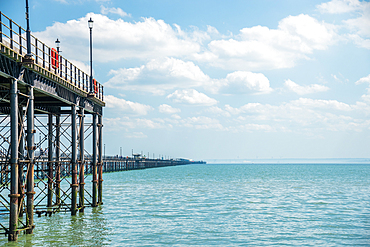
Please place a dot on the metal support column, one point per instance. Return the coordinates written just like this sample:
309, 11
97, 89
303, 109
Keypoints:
57, 160
21, 157
94, 160
74, 162
82, 161
13, 220
100, 185
50, 160
31, 157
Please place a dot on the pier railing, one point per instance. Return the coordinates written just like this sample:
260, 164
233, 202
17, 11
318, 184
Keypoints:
46, 59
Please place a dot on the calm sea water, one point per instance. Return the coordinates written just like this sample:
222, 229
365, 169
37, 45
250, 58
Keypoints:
222, 205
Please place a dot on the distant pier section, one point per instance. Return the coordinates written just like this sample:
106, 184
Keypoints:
116, 163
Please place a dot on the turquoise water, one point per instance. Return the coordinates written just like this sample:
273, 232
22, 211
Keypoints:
222, 205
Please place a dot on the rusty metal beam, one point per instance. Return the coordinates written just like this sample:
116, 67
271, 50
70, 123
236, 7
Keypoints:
14, 196
94, 162
74, 184
31, 157
100, 143
82, 160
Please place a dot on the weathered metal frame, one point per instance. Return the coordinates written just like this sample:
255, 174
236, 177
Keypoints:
32, 89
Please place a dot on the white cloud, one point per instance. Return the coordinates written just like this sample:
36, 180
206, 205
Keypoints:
218, 111
168, 109
159, 76
301, 90
255, 127
191, 96
363, 79
365, 97
359, 41
135, 135
359, 27
118, 39
339, 6
82, 66
263, 48
129, 123
302, 115
201, 122
254, 48
338, 79
245, 82
126, 106
322, 104
306, 33
117, 11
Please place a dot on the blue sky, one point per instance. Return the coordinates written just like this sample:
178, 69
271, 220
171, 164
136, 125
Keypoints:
221, 79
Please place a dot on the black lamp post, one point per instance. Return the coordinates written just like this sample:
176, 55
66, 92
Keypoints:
57, 42
28, 57
90, 22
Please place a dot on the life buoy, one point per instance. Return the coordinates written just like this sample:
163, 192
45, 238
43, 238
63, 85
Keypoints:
54, 58
95, 86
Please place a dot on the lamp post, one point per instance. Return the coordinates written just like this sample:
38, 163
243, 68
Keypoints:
90, 22
57, 42
28, 57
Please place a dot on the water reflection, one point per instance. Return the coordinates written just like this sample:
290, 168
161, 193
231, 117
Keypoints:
85, 229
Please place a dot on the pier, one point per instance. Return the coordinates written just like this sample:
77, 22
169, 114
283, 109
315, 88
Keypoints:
113, 164
51, 130
44, 96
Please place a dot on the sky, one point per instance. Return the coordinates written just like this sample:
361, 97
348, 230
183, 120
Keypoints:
206, 79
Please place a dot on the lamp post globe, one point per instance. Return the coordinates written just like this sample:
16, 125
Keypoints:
57, 42
90, 22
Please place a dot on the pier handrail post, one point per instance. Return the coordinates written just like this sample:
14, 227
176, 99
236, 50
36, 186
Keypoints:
13, 219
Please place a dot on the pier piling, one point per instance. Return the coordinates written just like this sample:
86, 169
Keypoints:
14, 196
82, 161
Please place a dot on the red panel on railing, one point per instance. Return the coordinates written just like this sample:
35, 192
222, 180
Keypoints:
95, 86
54, 58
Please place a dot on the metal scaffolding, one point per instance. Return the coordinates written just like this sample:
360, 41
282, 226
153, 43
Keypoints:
47, 175
50, 134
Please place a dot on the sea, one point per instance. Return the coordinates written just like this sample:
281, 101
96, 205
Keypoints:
220, 205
